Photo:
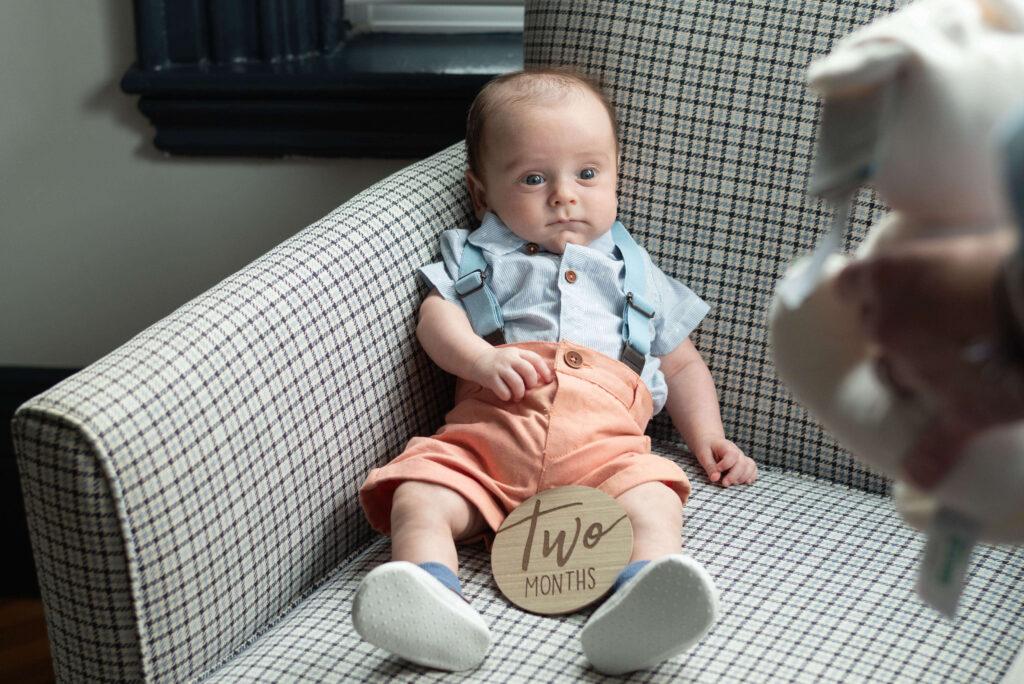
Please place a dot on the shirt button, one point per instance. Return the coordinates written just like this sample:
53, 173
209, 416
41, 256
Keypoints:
573, 359
532, 248
570, 276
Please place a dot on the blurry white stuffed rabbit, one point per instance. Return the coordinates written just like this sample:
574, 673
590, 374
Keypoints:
912, 105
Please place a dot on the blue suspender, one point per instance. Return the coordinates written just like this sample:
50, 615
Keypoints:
485, 314
637, 312
477, 296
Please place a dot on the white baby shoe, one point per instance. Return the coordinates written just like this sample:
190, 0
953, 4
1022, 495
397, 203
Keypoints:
402, 609
667, 608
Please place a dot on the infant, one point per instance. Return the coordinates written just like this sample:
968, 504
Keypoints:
565, 339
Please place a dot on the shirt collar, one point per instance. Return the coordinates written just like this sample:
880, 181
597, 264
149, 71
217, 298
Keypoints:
495, 237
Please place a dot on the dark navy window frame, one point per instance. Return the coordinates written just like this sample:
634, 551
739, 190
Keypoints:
284, 77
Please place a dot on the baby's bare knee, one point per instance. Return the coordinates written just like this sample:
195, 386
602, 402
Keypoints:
415, 501
653, 505
428, 505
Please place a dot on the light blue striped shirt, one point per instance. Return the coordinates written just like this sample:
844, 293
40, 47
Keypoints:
539, 303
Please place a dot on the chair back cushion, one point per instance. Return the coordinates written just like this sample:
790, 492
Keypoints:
718, 129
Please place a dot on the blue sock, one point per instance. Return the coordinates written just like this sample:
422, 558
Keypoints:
628, 573
443, 574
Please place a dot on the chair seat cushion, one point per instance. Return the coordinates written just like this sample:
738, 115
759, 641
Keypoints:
816, 581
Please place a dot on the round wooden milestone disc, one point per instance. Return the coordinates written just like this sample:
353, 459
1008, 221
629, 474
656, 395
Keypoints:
561, 550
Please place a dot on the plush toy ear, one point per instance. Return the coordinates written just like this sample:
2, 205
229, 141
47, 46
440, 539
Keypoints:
910, 103
926, 31
875, 54
853, 69
854, 81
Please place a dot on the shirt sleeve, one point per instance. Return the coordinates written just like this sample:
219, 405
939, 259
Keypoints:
441, 275
678, 311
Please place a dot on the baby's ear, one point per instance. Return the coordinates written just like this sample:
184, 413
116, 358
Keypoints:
478, 193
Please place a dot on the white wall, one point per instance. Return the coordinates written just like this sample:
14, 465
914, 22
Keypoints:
100, 235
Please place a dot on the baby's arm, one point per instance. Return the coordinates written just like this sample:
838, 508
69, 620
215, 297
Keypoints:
447, 336
693, 405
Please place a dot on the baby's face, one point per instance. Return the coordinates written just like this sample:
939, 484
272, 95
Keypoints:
549, 171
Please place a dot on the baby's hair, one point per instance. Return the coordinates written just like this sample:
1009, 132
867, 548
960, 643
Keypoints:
531, 85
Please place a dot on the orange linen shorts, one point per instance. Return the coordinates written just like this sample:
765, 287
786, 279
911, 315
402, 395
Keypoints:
584, 428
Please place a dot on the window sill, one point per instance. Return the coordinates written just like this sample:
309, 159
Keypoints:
384, 95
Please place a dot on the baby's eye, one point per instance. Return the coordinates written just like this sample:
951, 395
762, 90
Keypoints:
588, 174
533, 179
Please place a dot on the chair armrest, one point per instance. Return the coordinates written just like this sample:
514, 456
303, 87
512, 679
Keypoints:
185, 490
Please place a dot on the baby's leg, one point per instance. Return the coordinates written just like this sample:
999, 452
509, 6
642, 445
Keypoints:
413, 606
426, 521
656, 514
663, 603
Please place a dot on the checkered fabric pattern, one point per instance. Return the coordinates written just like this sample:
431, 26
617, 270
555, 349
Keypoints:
816, 585
192, 496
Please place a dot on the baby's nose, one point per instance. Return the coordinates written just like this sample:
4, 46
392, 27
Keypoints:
563, 193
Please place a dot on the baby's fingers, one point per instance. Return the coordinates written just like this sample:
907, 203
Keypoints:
500, 389
707, 461
541, 373
727, 461
744, 472
514, 382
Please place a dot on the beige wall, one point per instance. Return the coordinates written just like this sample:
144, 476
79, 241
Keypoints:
100, 235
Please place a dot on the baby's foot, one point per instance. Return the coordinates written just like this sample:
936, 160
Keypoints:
667, 608
401, 608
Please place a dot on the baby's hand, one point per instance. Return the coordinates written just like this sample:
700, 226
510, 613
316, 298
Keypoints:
724, 462
509, 372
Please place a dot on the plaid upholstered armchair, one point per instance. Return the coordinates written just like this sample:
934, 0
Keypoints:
192, 496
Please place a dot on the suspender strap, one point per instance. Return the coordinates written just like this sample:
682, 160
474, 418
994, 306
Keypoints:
637, 312
477, 297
